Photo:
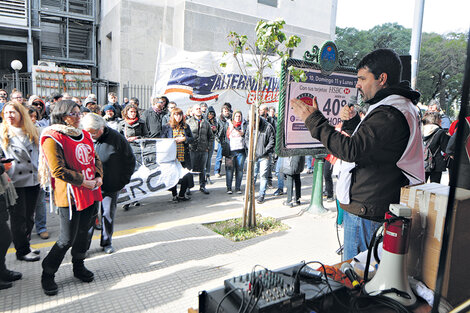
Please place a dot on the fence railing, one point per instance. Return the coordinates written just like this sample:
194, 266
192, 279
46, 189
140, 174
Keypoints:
99, 88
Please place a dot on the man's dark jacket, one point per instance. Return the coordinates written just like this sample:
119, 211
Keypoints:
117, 109
202, 134
118, 160
222, 125
376, 147
266, 139
154, 122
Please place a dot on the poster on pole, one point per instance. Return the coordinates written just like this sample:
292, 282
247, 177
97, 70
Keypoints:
333, 85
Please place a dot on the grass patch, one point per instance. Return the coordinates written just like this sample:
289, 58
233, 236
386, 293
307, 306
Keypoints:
232, 229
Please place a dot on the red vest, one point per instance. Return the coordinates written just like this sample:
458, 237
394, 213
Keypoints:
79, 156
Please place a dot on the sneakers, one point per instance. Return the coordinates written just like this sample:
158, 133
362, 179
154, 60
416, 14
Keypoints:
204, 190
175, 199
126, 206
30, 257
297, 202
44, 235
260, 199
288, 203
188, 192
218, 175
48, 284
330, 199
229, 191
239, 191
108, 249
309, 171
278, 192
137, 203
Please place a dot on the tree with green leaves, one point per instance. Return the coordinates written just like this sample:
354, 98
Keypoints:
441, 63
271, 45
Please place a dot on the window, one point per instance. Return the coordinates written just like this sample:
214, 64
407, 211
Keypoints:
271, 3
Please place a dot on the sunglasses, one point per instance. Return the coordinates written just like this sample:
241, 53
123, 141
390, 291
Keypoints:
74, 114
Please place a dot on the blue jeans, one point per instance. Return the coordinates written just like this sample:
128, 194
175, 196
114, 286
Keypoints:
218, 159
40, 217
209, 159
358, 232
262, 168
280, 176
237, 162
309, 159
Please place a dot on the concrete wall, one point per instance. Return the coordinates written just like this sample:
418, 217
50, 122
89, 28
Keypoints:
206, 27
137, 26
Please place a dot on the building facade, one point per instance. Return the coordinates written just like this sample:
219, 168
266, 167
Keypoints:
130, 30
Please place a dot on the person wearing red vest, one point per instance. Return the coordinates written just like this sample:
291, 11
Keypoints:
75, 171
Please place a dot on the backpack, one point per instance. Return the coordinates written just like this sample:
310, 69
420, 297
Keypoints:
429, 156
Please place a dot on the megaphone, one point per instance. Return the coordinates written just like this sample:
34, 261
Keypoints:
391, 279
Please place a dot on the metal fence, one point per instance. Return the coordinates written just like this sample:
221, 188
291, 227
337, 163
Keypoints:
100, 88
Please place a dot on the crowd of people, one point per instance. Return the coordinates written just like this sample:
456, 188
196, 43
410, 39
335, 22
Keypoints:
84, 153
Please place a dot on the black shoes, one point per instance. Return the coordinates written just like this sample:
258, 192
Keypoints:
183, 198
9, 276
48, 284
278, 192
30, 257
81, 272
204, 190
260, 199
5, 284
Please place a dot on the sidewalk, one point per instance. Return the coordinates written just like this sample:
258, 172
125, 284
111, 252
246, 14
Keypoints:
164, 256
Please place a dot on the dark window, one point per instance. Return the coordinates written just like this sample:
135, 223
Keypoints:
272, 3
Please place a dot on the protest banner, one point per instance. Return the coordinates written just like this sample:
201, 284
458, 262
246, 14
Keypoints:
194, 77
157, 169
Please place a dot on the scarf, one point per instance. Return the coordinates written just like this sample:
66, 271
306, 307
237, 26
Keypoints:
132, 121
43, 169
237, 124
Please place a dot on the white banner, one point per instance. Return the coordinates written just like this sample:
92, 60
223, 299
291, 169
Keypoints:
194, 77
150, 178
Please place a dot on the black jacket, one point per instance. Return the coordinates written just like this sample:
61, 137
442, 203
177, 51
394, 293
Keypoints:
154, 122
222, 125
138, 129
376, 147
118, 160
202, 134
438, 145
266, 139
117, 109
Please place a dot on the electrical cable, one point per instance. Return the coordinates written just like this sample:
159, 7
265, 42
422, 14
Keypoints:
225, 297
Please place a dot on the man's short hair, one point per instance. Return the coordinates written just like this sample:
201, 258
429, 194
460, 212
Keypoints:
383, 61
135, 100
56, 96
111, 94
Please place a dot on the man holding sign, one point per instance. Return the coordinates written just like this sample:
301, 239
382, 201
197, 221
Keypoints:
383, 152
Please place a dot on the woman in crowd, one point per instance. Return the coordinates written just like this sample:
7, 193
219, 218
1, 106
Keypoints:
178, 129
436, 139
236, 135
20, 142
40, 217
76, 171
7, 199
38, 103
112, 120
213, 122
132, 127
292, 167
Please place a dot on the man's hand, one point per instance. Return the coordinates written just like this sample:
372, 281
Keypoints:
347, 113
303, 110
